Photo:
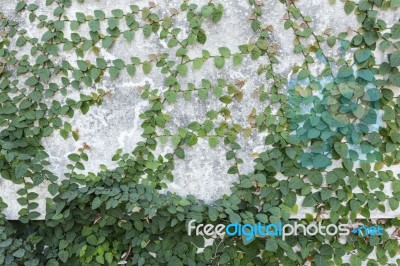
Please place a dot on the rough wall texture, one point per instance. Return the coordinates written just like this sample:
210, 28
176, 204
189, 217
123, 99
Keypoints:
116, 124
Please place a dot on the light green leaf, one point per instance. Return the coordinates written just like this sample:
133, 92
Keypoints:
21, 170
271, 245
224, 51
147, 66
213, 141
96, 203
219, 62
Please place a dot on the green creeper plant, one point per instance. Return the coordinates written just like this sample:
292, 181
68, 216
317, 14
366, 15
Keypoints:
119, 216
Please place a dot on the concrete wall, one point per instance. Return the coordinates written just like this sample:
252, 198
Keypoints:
116, 123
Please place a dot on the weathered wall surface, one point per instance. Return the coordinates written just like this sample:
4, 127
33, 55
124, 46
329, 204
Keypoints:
116, 124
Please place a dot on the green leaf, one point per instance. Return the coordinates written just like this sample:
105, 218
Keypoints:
74, 25
290, 152
370, 37
224, 51
364, 5
170, 81
325, 194
226, 99
94, 25
82, 65
219, 62
255, 25
113, 72
217, 15
362, 55
138, 224
147, 66
63, 255
180, 153
331, 41
395, 79
213, 141
370, 117
296, 183
118, 13
25, 104
205, 53
74, 157
396, 186
182, 69
33, 7
394, 59
184, 202
201, 37
331, 178
320, 261
261, 179
21, 41
395, 31
341, 149
393, 203
107, 42
345, 72
313, 133
262, 217
326, 250
198, 63
101, 63
153, 165
95, 73
44, 74
349, 7
271, 245
6, 243
147, 30
389, 113
129, 35
19, 253
84, 108
96, 203
131, 69
371, 95
304, 73
100, 259
53, 189
206, 11
175, 139
192, 139
109, 257
308, 201
171, 96
237, 59
321, 161
395, 3
31, 81
99, 14
113, 23
20, 6
355, 260
80, 17
75, 134
213, 213
21, 170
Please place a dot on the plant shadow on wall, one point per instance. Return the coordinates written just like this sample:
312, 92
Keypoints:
119, 216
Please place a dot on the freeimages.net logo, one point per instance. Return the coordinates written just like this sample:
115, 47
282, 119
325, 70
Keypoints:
250, 231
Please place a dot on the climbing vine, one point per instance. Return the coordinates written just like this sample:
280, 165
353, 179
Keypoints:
331, 127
